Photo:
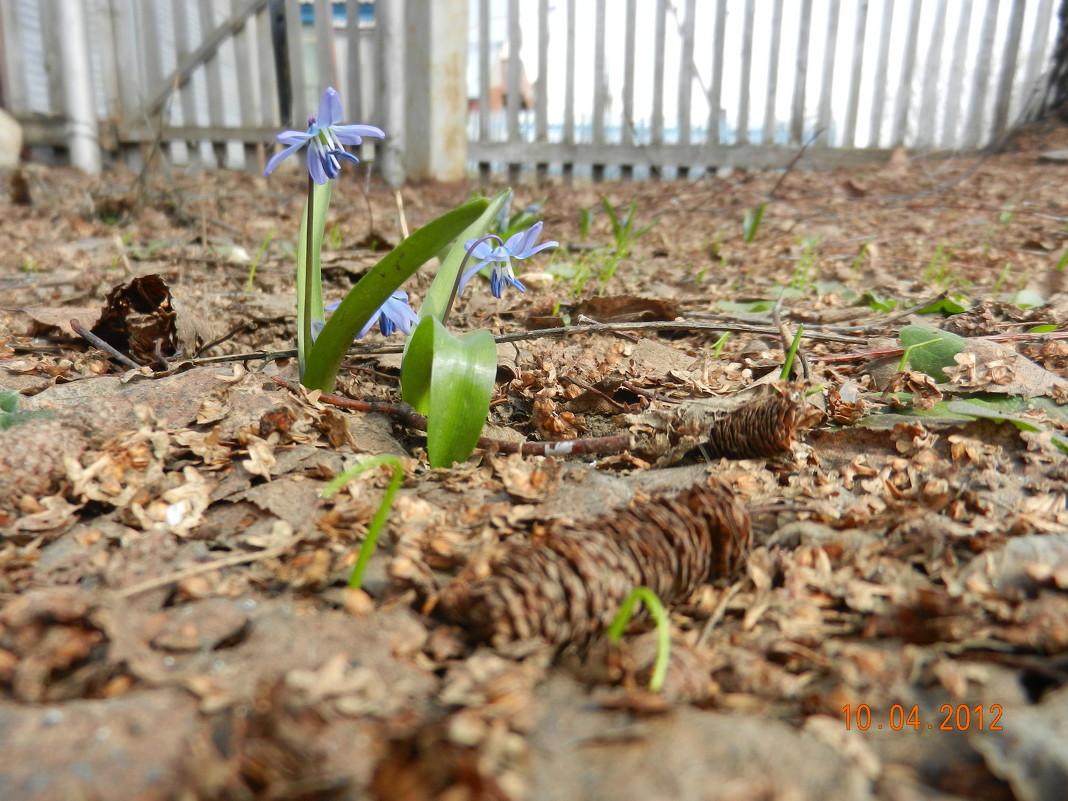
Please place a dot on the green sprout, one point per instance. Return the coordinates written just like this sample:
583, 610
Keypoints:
717, 346
791, 354
751, 222
256, 260
805, 271
663, 632
624, 234
378, 522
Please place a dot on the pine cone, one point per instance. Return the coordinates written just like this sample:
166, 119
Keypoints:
568, 585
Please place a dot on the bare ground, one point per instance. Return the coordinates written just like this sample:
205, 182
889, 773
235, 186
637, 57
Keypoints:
174, 621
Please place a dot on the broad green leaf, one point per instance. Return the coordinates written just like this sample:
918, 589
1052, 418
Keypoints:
437, 297
364, 299
450, 379
1042, 329
938, 352
309, 274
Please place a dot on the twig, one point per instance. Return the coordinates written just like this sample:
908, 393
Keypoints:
206, 567
793, 162
541, 333
100, 344
407, 416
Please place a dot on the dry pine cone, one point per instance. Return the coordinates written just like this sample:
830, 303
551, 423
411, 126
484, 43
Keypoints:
568, 585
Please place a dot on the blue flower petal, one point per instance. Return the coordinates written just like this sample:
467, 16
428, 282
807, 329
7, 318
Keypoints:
277, 158
353, 134
330, 112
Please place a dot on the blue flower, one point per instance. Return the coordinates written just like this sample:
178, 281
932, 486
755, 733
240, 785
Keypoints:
518, 246
325, 140
393, 314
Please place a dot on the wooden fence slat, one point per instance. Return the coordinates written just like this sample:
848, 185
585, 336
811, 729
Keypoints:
657, 133
629, 134
15, 75
932, 69
247, 95
210, 41
860, 26
955, 99
823, 114
686, 73
109, 73
50, 40
745, 75
767, 135
600, 77
355, 103
908, 69
295, 46
1027, 103
878, 102
186, 101
325, 53
484, 71
715, 89
214, 72
973, 134
569, 87
515, 41
541, 86
797, 114
1003, 98
268, 106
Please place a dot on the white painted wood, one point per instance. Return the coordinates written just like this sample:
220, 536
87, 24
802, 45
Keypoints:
980, 88
955, 100
827, 79
715, 88
325, 56
849, 131
797, 113
515, 66
302, 105
878, 103
686, 72
600, 78
745, 74
927, 133
355, 104
770, 118
657, 132
908, 69
1003, 98
82, 139
391, 70
436, 100
484, 61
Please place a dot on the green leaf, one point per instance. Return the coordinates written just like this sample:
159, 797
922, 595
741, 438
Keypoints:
1042, 329
437, 297
309, 275
1023, 424
663, 630
9, 402
751, 223
450, 379
932, 349
876, 302
746, 306
954, 304
364, 299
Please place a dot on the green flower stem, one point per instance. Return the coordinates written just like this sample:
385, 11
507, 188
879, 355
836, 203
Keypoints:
309, 241
378, 522
663, 631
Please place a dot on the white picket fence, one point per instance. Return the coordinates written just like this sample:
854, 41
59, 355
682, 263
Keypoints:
601, 87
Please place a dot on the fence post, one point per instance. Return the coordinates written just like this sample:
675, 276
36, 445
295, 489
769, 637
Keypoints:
83, 139
390, 89
436, 89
